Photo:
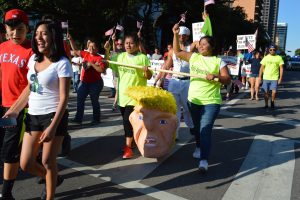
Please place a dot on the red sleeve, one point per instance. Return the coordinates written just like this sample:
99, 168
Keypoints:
101, 64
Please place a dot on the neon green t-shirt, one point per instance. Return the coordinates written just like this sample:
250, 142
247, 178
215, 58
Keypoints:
129, 76
272, 64
202, 91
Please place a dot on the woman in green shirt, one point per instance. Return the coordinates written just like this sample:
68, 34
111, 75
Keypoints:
204, 96
129, 77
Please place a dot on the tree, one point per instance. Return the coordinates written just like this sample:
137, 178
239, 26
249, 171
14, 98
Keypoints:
297, 52
94, 17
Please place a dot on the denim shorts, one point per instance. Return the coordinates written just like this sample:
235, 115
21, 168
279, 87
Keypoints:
254, 75
269, 85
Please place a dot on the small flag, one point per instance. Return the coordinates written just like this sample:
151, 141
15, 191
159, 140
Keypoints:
119, 27
64, 25
139, 25
249, 46
183, 16
109, 32
207, 29
207, 2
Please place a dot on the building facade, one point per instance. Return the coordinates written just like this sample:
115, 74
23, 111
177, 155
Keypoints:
269, 17
281, 33
252, 8
264, 12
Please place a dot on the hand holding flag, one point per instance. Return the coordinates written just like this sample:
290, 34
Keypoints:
183, 17
119, 27
109, 32
139, 25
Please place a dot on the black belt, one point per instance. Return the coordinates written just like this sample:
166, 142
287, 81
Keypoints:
183, 78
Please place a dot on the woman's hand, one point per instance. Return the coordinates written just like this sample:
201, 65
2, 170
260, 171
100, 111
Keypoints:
175, 29
210, 77
47, 135
147, 72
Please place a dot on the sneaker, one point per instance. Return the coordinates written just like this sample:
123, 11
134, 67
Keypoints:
59, 181
7, 198
272, 105
203, 166
76, 121
114, 108
197, 153
127, 153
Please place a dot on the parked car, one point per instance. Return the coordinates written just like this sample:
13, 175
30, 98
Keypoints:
293, 64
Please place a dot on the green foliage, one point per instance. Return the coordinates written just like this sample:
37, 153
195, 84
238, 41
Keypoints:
297, 52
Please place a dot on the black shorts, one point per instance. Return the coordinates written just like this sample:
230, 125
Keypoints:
41, 122
12, 140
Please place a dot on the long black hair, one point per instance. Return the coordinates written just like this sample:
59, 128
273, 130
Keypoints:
57, 47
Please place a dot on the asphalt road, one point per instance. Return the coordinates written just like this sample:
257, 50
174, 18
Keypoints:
255, 155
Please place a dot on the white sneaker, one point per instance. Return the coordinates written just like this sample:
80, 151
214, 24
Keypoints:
197, 153
203, 166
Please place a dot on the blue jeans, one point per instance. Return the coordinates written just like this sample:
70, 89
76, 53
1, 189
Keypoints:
92, 89
203, 117
75, 81
269, 85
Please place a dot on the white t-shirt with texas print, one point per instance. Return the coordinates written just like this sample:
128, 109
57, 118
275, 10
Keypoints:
44, 85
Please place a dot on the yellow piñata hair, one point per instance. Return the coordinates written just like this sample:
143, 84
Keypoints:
153, 98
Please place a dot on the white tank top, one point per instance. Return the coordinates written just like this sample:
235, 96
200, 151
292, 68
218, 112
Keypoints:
181, 65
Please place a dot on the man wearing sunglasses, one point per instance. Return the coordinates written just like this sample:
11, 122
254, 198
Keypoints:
271, 72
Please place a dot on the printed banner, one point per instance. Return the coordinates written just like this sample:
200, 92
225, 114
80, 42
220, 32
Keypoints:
242, 41
197, 31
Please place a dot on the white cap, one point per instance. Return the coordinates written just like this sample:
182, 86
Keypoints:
184, 30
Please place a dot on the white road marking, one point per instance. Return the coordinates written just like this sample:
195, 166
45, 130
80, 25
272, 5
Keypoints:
267, 172
269, 165
260, 118
126, 173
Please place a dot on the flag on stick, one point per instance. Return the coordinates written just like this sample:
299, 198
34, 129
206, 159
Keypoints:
207, 29
109, 32
207, 2
139, 25
183, 17
119, 27
64, 25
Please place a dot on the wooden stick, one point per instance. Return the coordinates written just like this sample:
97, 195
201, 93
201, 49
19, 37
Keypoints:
162, 70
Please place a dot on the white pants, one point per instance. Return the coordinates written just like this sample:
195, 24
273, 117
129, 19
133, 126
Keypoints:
179, 89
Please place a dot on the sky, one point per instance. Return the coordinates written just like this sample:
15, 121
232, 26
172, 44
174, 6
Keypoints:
289, 12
